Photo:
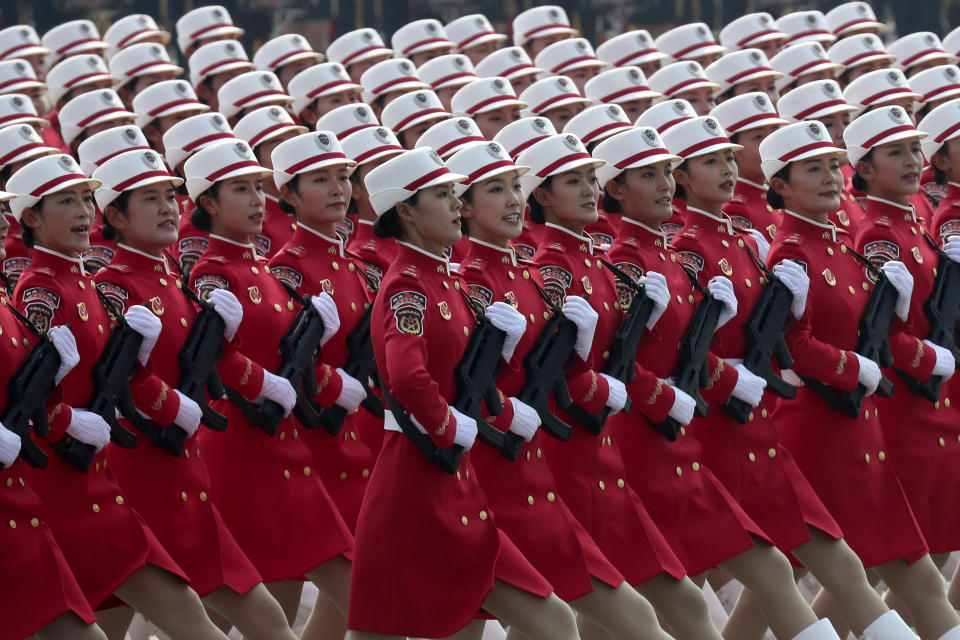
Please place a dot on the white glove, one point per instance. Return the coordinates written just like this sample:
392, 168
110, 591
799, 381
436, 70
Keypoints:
66, 345
952, 248
656, 289
327, 309
902, 280
188, 415
144, 322
352, 393
617, 396
509, 320
946, 364
749, 387
870, 373
722, 289
797, 281
525, 421
763, 246
581, 314
683, 407
89, 428
466, 430
9, 446
279, 390
229, 308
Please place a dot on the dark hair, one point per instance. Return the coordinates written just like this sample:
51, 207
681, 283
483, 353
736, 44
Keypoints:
939, 175
285, 206
680, 192
856, 180
466, 196
387, 225
608, 202
735, 138
200, 217
774, 198
726, 95
109, 231
537, 214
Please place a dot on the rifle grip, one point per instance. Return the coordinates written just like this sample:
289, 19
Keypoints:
173, 439
77, 453
669, 428
41, 426
512, 445
737, 409
448, 459
269, 417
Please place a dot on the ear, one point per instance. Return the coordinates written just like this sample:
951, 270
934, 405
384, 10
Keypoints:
543, 197
209, 204
681, 177
290, 196
116, 219
941, 161
405, 211
864, 169
30, 217
780, 187
616, 190
309, 115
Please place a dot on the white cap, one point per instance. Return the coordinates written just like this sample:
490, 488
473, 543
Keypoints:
140, 59
565, 56
17, 75
941, 125
419, 36
792, 143
813, 101
524, 133
951, 42
539, 22
102, 146
749, 31
387, 76
680, 77
484, 94
347, 119
689, 41
550, 93
858, 49
249, 90
358, 45
630, 149
21, 142
479, 162
89, 109
805, 26
618, 85
472, 30
554, 155
878, 87
166, 99
218, 162
189, 136
411, 109
666, 114
73, 72
851, 17
130, 30
878, 127
800, 60
451, 70
317, 81
739, 67
217, 57
597, 123
71, 38
307, 152
404, 175
698, 137
368, 145
16, 108
917, 48
205, 22
290, 47
128, 171
936, 83
509, 63
42, 177
265, 123
745, 112
449, 136
19, 41
632, 47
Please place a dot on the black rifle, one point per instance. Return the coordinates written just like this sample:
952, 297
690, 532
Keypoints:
623, 351
874, 343
943, 312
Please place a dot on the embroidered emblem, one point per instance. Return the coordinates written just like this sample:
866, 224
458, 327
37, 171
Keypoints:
444, 309
481, 294
287, 275
208, 282
556, 281
408, 308
115, 297
39, 306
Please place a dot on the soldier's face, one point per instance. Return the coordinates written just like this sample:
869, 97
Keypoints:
701, 100
635, 108
536, 45
748, 158
948, 159
434, 222
709, 180
560, 116
904, 103
808, 78
478, 52
490, 122
571, 199
852, 73
761, 85
894, 171
495, 209
582, 75
522, 82
321, 197
409, 137
238, 210
646, 193
151, 219
286, 72
836, 124
770, 48
814, 187
62, 221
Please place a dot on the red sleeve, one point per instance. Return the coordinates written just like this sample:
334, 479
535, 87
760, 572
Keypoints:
723, 378
239, 372
911, 356
650, 395
330, 384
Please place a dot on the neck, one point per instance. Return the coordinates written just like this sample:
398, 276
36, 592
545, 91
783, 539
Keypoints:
896, 198
156, 252
713, 208
575, 227
233, 236
324, 227
496, 241
424, 244
646, 218
270, 189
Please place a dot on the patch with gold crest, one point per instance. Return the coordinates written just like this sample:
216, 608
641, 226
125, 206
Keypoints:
481, 294
556, 281
96, 257
40, 304
262, 244
917, 256
444, 310
208, 282
949, 228
408, 308
287, 275
115, 297
624, 291
879, 252
524, 251
691, 260
254, 293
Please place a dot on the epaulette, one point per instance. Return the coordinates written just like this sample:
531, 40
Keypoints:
475, 264
794, 239
526, 263
297, 252
693, 232
44, 271
955, 204
411, 272
119, 268
631, 242
882, 221
556, 246
217, 259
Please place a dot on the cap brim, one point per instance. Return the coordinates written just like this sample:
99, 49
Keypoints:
639, 94
493, 106
31, 120
875, 57
705, 84
713, 49
370, 55
946, 57
89, 183
105, 196
826, 111
403, 87
771, 167
145, 119
323, 164
556, 105
519, 73
484, 39
893, 97
552, 31
767, 37
196, 79
520, 170
30, 154
421, 119
583, 64
861, 26
386, 153
30, 51
766, 122
720, 146
428, 47
788, 79
295, 128
608, 172
822, 38
952, 94
6, 195
776, 75
160, 68
455, 82
316, 57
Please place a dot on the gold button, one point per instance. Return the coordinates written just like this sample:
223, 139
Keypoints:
866, 457
353, 306
466, 331
601, 485
296, 433
13, 524
772, 452
23, 484
14, 341
763, 413
751, 457
119, 499
943, 442
616, 306
456, 285
483, 515
100, 328
606, 355
290, 305
307, 471
510, 275
286, 474
533, 318
586, 261
183, 322
163, 282
526, 275
530, 500
96, 508
183, 496
866, 415
750, 416
946, 402
606, 306
96, 466
546, 315
458, 475
679, 471
881, 456
528, 455
463, 520
851, 290
10, 480
865, 286
350, 266
277, 308
34, 522
690, 298
365, 473
747, 282
343, 475
725, 243
335, 265
695, 466
679, 299
551, 496
829, 251
254, 270
283, 435
620, 483
203, 496
539, 452
673, 257
353, 435
683, 431
739, 242
82, 286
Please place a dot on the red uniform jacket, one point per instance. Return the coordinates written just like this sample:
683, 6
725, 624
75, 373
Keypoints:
749, 209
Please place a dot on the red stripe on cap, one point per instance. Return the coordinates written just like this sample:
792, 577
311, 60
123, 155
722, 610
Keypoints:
276, 63
813, 63
116, 153
544, 27
754, 118
889, 132
123, 43
3, 85
98, 114
571, 61
142, 176
320, 157
930, 95
623, 164
423, 112
357, 54
395, 82
422, 180
862, 55
255, 140
476, 36
625, 92
231, 167
693, 47
46, 186
519, 67
205, 139
790, 155
369, 153
487, 168
947, 132
817, 107
6, 53
851, 23
667, 125
814, 32
580, 155
21, 149
519, 148
420, 43
686, 83
329, 85
703, 144
743, 74
259, 94
204, 72
147, 65
17, 116
758, 34
439, 81
906, 63
346, 132
634, 55
883, 94
86, 76
453, 144
563, 96
607, 127
169, 105
197, 34
73, 44
483, 103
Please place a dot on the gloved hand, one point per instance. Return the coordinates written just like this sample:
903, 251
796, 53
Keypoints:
683, 407
581, 314
946, 364
279, 390
617, 396
327, 309
797, 281
89, 428
722, 289
749, 387
144, 322
510, 321
763, 246
525, 421
656, 289
902, 280
9, 446
188, 415
466, 430
952, 248
229, 308
66, 345
870, 373
352, 393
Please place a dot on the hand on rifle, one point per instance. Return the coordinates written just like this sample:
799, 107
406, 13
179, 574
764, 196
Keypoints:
9, 446
352, 393
617, 395
144, 322
66, 345
797, 281
945, 365
579, 311
749, 387
952, 248
525, 421
683, 406
511, 322
902, 280
466, 433
188, 415
655, 288
870, 373
327, 309
89, 428
279, 390
722, 289
229, 308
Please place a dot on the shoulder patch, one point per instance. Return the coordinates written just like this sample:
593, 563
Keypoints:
288, 275
261, 244
408, 308
115, 296
879, 252
556, 281
624, 291
97, 256
195, 245
375, 273
693, 232
297, 251
950, 227
740, 222
481, 294
601, 238
207, 282
524, 251
691, 260
555, 246
40, 304
410, 271
882, 221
